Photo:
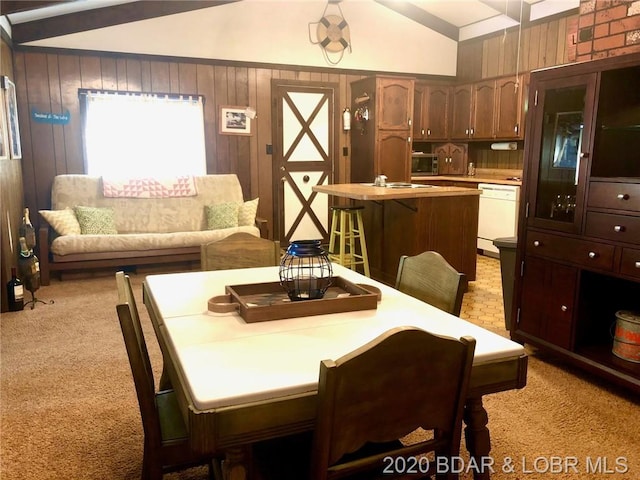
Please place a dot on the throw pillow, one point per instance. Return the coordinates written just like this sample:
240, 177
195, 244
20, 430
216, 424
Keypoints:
222, 215
247, 213
96, 221
64, 222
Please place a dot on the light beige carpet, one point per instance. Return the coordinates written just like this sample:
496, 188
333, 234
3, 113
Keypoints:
69, 410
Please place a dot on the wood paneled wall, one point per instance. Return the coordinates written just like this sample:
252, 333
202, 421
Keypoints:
10, 196
542, 45
49, 82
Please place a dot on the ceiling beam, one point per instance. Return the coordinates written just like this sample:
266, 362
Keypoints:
13, 6
104, 17
417, 14
510, 8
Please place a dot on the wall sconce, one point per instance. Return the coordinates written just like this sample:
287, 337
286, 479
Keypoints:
346, 120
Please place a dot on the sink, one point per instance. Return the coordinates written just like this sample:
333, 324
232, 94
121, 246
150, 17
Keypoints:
407, 185
401, 185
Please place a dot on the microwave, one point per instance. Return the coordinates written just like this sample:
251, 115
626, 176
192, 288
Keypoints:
424, 164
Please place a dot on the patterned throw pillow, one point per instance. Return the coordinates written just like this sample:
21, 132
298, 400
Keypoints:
64, 222
247, 213
96, 221
222, 215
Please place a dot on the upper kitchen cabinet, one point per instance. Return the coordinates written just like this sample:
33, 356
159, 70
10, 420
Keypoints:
382, 109
431, 112
394, 103
461, 111
510, 107
488, 110
452, 158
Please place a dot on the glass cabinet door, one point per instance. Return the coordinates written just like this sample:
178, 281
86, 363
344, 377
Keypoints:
562, 126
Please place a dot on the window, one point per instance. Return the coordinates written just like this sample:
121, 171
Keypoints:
136, 135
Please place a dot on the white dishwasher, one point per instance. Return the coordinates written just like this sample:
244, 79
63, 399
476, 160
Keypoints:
497, 216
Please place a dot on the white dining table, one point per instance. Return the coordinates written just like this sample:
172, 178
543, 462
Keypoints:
238, 382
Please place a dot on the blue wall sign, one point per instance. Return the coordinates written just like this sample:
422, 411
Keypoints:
50, 117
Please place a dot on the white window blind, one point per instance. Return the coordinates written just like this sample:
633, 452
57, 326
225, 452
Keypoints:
143, 135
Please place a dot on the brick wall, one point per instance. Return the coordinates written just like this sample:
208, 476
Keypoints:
608, 28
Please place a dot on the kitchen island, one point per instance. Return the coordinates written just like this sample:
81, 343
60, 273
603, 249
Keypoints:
408, 219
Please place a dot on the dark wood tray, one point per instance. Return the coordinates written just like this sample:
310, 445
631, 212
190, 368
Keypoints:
260, 302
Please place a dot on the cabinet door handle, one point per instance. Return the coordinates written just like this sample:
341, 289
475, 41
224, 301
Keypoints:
619, 228
593, 254
473, 131
637, 264
428, 132
564, 308
466, 132
516, 128
422, 131
623, 196
584, 154
536, 243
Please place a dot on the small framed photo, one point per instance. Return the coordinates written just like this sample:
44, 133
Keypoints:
4, 134
234, 121
12, 117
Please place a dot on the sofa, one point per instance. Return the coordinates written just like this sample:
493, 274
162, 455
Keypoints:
98, 223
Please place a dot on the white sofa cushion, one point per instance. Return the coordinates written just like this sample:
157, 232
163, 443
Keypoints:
75, 244
148, 215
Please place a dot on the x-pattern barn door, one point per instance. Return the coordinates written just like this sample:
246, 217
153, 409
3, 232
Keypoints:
304, 144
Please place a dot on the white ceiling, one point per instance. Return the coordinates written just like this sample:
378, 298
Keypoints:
281, 31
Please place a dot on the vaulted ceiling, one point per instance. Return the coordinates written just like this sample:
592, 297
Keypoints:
456, 19
404, 36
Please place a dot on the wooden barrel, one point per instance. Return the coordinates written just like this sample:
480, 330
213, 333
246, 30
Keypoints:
626, 340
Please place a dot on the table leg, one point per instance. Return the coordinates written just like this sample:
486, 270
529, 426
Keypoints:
477, 437
165, 381
234, 466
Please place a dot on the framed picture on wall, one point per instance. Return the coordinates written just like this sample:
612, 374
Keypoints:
234, 121
4, 137
12, 117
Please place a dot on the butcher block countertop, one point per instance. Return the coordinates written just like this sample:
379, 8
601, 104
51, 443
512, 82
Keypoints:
465, 178
500, 176
367, 191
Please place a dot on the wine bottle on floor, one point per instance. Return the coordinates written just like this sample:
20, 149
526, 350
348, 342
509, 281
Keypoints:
27, 231
28, 267
15, 292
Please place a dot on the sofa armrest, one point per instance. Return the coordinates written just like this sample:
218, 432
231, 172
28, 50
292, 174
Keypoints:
43, 246
261, 223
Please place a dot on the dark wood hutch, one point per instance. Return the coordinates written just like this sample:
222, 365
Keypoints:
578, 254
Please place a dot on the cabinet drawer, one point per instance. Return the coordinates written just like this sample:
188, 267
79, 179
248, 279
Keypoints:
619, 196
621, 228
630, 263
582, 252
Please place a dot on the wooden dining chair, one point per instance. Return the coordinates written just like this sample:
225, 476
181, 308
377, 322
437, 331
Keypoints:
430, 278
369, 399
239, 250
166, 444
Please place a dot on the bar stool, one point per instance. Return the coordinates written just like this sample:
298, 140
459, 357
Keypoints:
346, 223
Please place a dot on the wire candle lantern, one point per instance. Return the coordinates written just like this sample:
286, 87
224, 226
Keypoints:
305, 270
